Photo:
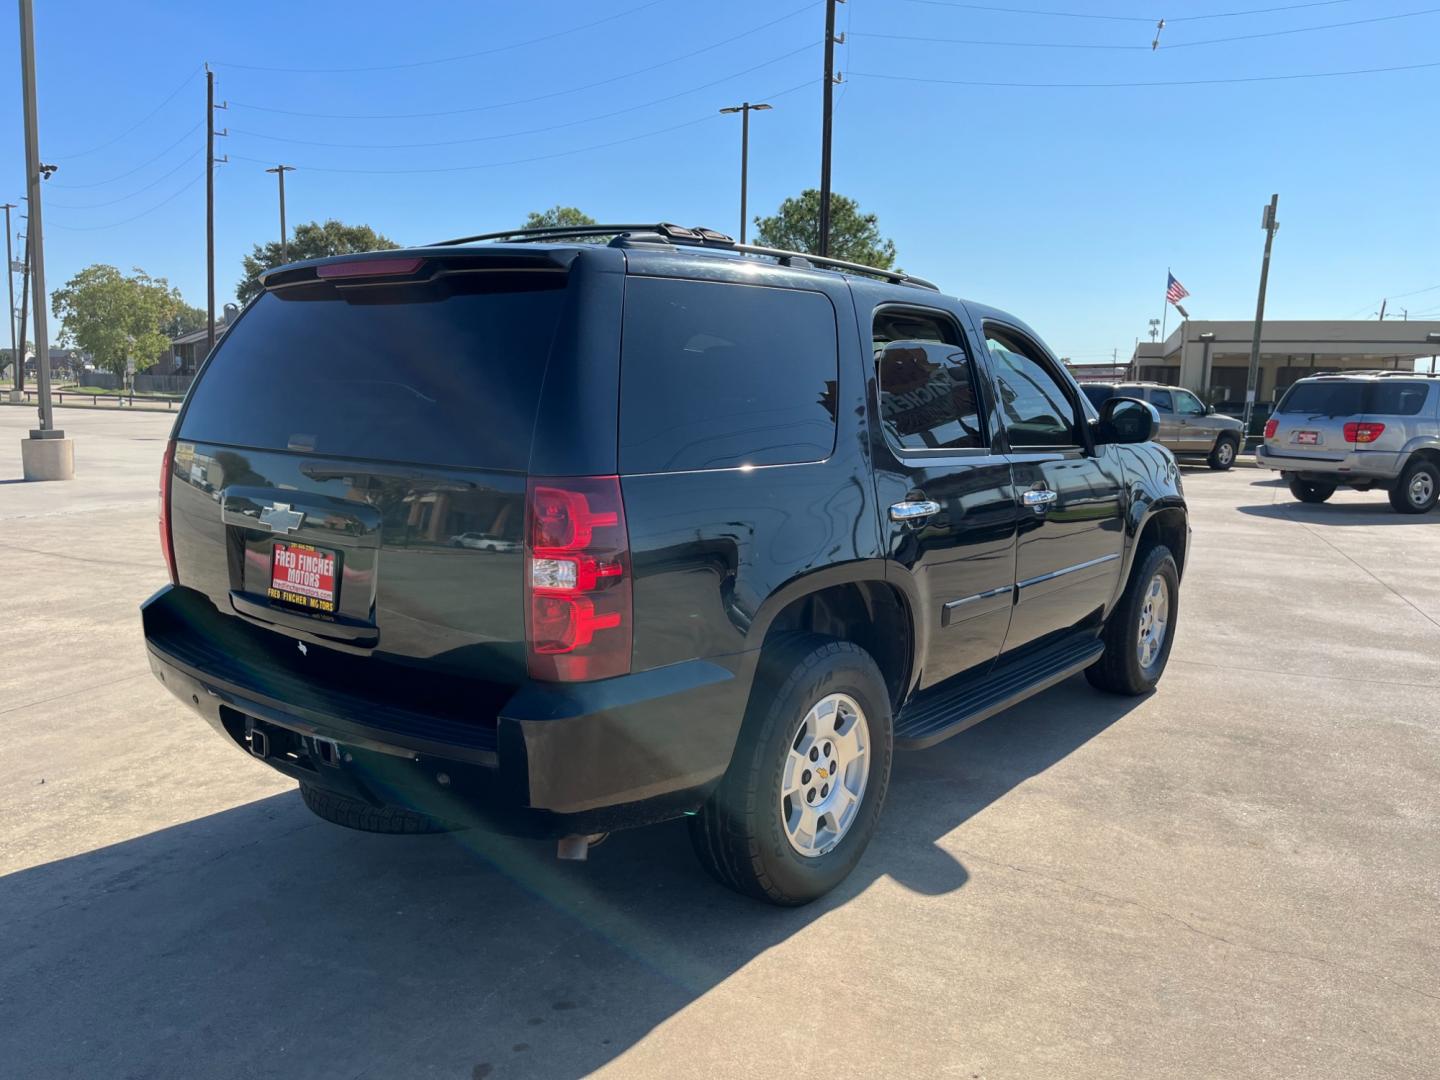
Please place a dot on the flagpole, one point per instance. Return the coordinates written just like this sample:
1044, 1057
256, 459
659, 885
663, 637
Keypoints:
1164, 311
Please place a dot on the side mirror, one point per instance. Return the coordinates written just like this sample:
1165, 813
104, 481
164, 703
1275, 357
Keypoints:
1126, 420
1209, 410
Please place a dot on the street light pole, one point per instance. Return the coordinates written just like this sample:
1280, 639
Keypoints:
744, 110
35, 231
10, 285
280, 171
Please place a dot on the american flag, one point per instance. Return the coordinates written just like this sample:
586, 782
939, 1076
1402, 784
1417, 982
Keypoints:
1174, 291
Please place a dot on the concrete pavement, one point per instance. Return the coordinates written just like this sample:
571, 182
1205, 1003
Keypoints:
1238, 876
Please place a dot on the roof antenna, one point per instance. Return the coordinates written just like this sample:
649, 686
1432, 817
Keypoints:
1159, 28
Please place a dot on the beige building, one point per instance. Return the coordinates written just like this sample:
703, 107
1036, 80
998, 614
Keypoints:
1212, 358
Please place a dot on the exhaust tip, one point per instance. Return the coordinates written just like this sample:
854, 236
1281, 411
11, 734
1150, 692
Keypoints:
576, 848
259, 743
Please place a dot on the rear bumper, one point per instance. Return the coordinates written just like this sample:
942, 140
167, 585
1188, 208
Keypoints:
552, 760
1375, 465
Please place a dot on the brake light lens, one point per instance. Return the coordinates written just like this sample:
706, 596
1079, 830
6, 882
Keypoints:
577, 579
1363, 433
368, 268
1271, 426
167, 545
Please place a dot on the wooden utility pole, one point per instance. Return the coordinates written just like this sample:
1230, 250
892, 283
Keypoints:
826, 119
1269, 223
210, 164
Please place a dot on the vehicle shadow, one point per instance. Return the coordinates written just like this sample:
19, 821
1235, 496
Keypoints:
1339, 514
261, 941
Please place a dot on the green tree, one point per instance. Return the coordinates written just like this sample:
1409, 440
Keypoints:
562, 216
312, 240
117, 318
854, 236
187, 320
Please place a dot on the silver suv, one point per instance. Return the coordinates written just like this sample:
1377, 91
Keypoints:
1187, 428
1362, 430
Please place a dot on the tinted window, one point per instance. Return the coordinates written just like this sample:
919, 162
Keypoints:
1098, 393
446, 373
1323, 399
1162, 400
1395, 398
927, 385
714, 376
1033, 404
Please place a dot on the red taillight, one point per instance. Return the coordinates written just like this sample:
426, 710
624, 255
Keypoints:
577, 579
167, 546
1363, 433
1271, 426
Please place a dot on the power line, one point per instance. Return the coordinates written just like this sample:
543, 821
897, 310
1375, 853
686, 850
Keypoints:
135, 217
138, 123
1120, 85
1000, 44
526, 160
138, 191
930, 38
529, 131
1150, 20
1302, 29
137, 168
538, 97
452, 59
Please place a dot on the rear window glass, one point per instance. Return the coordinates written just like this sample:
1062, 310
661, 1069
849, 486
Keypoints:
444, 373
1098, 393
1323, 399
1379, 398
714, 376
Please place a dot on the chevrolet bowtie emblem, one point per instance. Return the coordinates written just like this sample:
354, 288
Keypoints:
278, 517
823, 772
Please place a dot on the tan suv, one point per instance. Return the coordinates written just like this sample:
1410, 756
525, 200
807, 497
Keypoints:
1187, 428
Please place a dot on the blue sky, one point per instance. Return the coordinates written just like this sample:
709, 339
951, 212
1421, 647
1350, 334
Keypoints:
1063, 204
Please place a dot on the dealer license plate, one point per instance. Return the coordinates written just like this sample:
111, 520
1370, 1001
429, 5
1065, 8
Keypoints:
304, 575
1307, 438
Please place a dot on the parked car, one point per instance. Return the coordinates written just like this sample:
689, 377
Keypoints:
1187, 428
1364, 430
782, 515
483, 542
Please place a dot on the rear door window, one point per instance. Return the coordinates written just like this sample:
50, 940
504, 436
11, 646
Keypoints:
446, 372
1162, 400
716, 376
928, 395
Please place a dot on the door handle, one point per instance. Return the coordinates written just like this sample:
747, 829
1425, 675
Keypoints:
1039, 498
914, 511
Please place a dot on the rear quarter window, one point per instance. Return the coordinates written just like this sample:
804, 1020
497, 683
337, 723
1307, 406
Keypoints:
715, 375
1396, 398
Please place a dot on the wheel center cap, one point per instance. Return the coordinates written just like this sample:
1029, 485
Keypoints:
823, 773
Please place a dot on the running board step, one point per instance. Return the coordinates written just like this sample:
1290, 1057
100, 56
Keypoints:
945, 710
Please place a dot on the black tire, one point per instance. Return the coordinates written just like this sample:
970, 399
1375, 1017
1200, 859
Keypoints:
739, 835
1222, 457
1119, 670
1307, 492
354, 814
1417, 489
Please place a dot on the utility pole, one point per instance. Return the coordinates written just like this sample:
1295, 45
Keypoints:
10, 286
24, 316
281, 170
827, 115
744, 110
210, 163
1269, 223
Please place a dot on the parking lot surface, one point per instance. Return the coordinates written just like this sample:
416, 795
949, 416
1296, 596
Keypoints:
1237, 876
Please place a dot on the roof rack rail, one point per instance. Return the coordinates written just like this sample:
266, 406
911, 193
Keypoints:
1389, 373
697, 237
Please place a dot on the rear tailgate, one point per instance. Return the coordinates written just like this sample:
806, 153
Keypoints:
350, 467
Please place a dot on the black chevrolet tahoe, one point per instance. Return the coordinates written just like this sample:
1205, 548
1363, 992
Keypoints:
735, 524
